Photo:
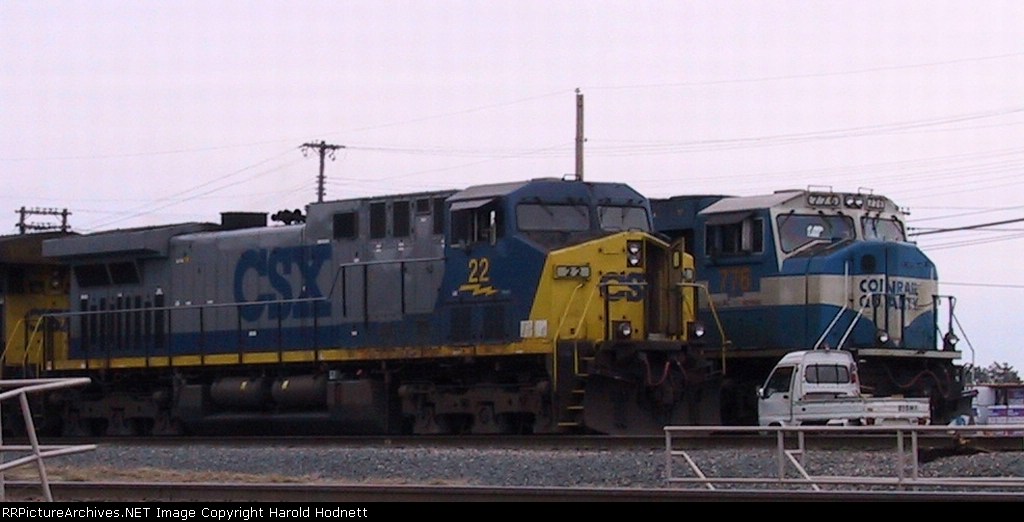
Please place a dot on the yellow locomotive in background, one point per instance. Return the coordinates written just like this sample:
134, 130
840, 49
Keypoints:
32, 288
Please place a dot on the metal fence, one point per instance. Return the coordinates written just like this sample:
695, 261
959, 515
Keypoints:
34, 452
796, 457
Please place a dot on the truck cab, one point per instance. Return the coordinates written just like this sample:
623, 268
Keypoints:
820, 387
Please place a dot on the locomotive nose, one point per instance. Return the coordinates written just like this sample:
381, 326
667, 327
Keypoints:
893, 288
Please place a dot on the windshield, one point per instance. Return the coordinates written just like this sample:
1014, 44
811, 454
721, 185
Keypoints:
883, 229
796, 231
544, 217
622, 218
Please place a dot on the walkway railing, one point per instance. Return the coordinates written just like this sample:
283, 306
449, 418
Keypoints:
34, 452
785, 460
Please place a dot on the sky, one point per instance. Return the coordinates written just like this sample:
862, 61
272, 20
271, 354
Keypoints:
132, 113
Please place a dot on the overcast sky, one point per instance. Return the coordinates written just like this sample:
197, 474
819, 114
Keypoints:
135, 113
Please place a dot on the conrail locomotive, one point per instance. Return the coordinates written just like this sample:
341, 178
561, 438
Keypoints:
805, 269
541, 306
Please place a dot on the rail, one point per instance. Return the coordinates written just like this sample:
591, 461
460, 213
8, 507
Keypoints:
795, 466
36, 453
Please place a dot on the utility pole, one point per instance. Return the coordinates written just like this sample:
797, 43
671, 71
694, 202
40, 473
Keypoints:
325, 150
579, 135
25, 226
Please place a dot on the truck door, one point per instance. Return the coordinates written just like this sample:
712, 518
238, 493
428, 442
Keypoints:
775, 406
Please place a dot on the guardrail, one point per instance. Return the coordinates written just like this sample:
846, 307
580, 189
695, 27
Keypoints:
795, 466
36, 453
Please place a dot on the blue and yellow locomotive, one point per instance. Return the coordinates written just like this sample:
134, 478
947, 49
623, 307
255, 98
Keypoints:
805, 269
540, 306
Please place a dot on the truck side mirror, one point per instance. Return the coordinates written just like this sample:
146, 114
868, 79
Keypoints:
762, 393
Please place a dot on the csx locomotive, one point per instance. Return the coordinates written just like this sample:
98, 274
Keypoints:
804, 269
540, 306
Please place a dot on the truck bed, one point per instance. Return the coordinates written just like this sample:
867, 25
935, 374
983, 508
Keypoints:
860, 409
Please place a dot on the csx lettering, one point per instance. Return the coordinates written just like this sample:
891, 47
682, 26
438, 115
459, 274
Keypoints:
275, 266
616, 287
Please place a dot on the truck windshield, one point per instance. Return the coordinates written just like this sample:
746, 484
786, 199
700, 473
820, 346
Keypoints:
827, 374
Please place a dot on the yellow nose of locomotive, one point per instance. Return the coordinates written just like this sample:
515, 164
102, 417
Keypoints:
626, 286
622, 311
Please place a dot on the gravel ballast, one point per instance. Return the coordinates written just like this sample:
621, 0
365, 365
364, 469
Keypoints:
490, 467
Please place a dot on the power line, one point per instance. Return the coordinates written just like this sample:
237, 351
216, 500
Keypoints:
968, 227
972, 242
973, 211
452, 113
805, 76
144, 153
986, 285
177, 198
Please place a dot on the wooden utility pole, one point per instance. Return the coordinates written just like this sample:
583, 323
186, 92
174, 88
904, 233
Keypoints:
325, 150
579, 135
25, 226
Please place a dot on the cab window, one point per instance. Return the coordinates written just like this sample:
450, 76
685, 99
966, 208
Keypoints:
540, 217
742, 237
476, 223
883, 229
796, 231
622, 218
780, 381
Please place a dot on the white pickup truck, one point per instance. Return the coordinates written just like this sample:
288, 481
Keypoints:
820, 387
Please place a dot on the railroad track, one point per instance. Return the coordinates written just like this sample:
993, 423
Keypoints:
350, 495
389, 469
929, 442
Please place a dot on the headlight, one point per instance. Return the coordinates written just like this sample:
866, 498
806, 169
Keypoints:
623, 329
688, 275
697, 329
634, 254
949, 341
882, 336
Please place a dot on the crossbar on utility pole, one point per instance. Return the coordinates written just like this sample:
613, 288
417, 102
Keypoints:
324, 149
